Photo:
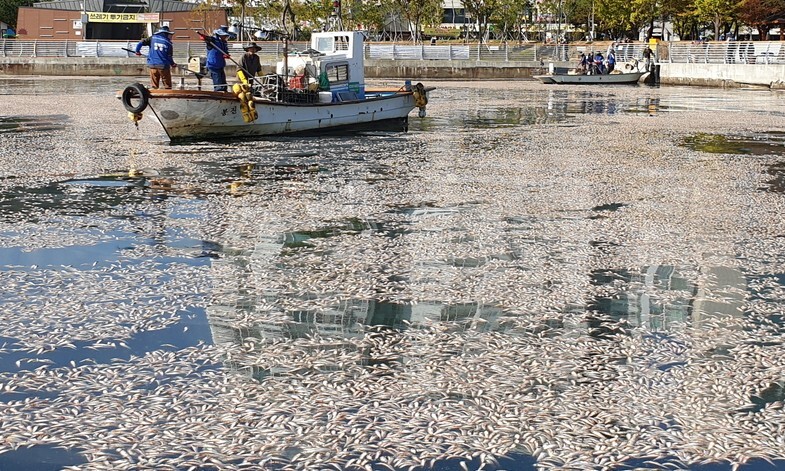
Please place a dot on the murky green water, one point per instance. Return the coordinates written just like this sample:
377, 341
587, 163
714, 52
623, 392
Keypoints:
293, 300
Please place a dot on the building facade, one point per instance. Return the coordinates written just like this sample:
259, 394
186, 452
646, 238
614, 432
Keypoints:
116, 20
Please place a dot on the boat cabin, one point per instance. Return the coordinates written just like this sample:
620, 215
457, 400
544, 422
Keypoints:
333, 66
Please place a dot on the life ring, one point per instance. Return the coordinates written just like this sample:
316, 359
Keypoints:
132, 92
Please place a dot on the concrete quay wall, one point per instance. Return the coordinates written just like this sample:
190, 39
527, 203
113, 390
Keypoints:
71, 66
414, 69
723, 75
457, 69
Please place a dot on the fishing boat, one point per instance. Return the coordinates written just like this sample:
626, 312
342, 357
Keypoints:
623, 78
321, 89
629, 73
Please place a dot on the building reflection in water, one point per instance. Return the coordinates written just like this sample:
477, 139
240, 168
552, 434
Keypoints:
658, 296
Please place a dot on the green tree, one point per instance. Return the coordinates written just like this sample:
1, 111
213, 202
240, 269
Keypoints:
265, 14
9, 10
579, 13
616, 17
549, 11
718, 12
419, 12
312, 13
372, 15
644, 14
511, 16
682, 15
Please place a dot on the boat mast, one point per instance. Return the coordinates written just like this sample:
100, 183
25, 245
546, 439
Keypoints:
287, 9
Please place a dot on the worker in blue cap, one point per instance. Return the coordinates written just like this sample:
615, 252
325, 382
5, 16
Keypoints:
217, 53
160, 59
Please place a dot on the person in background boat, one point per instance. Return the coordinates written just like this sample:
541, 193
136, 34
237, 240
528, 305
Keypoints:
217, 53
582, 64
611, 49
611, 61
250, 62
160, 59
599, 67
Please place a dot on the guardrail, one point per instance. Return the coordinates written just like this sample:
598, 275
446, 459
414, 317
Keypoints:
55, 48
382, 51
726, 52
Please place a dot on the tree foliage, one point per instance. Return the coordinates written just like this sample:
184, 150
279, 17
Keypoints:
610, 18
718, 12
616, 17
419, 12
9, 10
371, 15
510, 17
481, 11
756, 12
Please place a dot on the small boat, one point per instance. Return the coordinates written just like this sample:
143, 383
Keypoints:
622, 78
627, 73
318, 90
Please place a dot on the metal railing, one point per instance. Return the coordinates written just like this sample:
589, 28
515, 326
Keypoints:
67, 48
733, 52
512, 52
726, 52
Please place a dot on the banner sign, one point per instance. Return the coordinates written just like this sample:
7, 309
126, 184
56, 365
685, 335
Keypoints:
102, 17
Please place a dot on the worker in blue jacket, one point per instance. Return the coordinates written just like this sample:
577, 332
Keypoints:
217, 53
160, 59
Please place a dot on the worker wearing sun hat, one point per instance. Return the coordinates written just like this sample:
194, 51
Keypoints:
160, 59
217, 53
250, 62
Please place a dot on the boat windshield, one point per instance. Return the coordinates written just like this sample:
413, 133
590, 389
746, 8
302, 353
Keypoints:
330, 44
325, 45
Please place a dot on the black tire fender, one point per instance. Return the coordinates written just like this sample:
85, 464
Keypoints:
135, 91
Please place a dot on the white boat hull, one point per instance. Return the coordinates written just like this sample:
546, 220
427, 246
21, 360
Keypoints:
286, 102
630, 77
207, 114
